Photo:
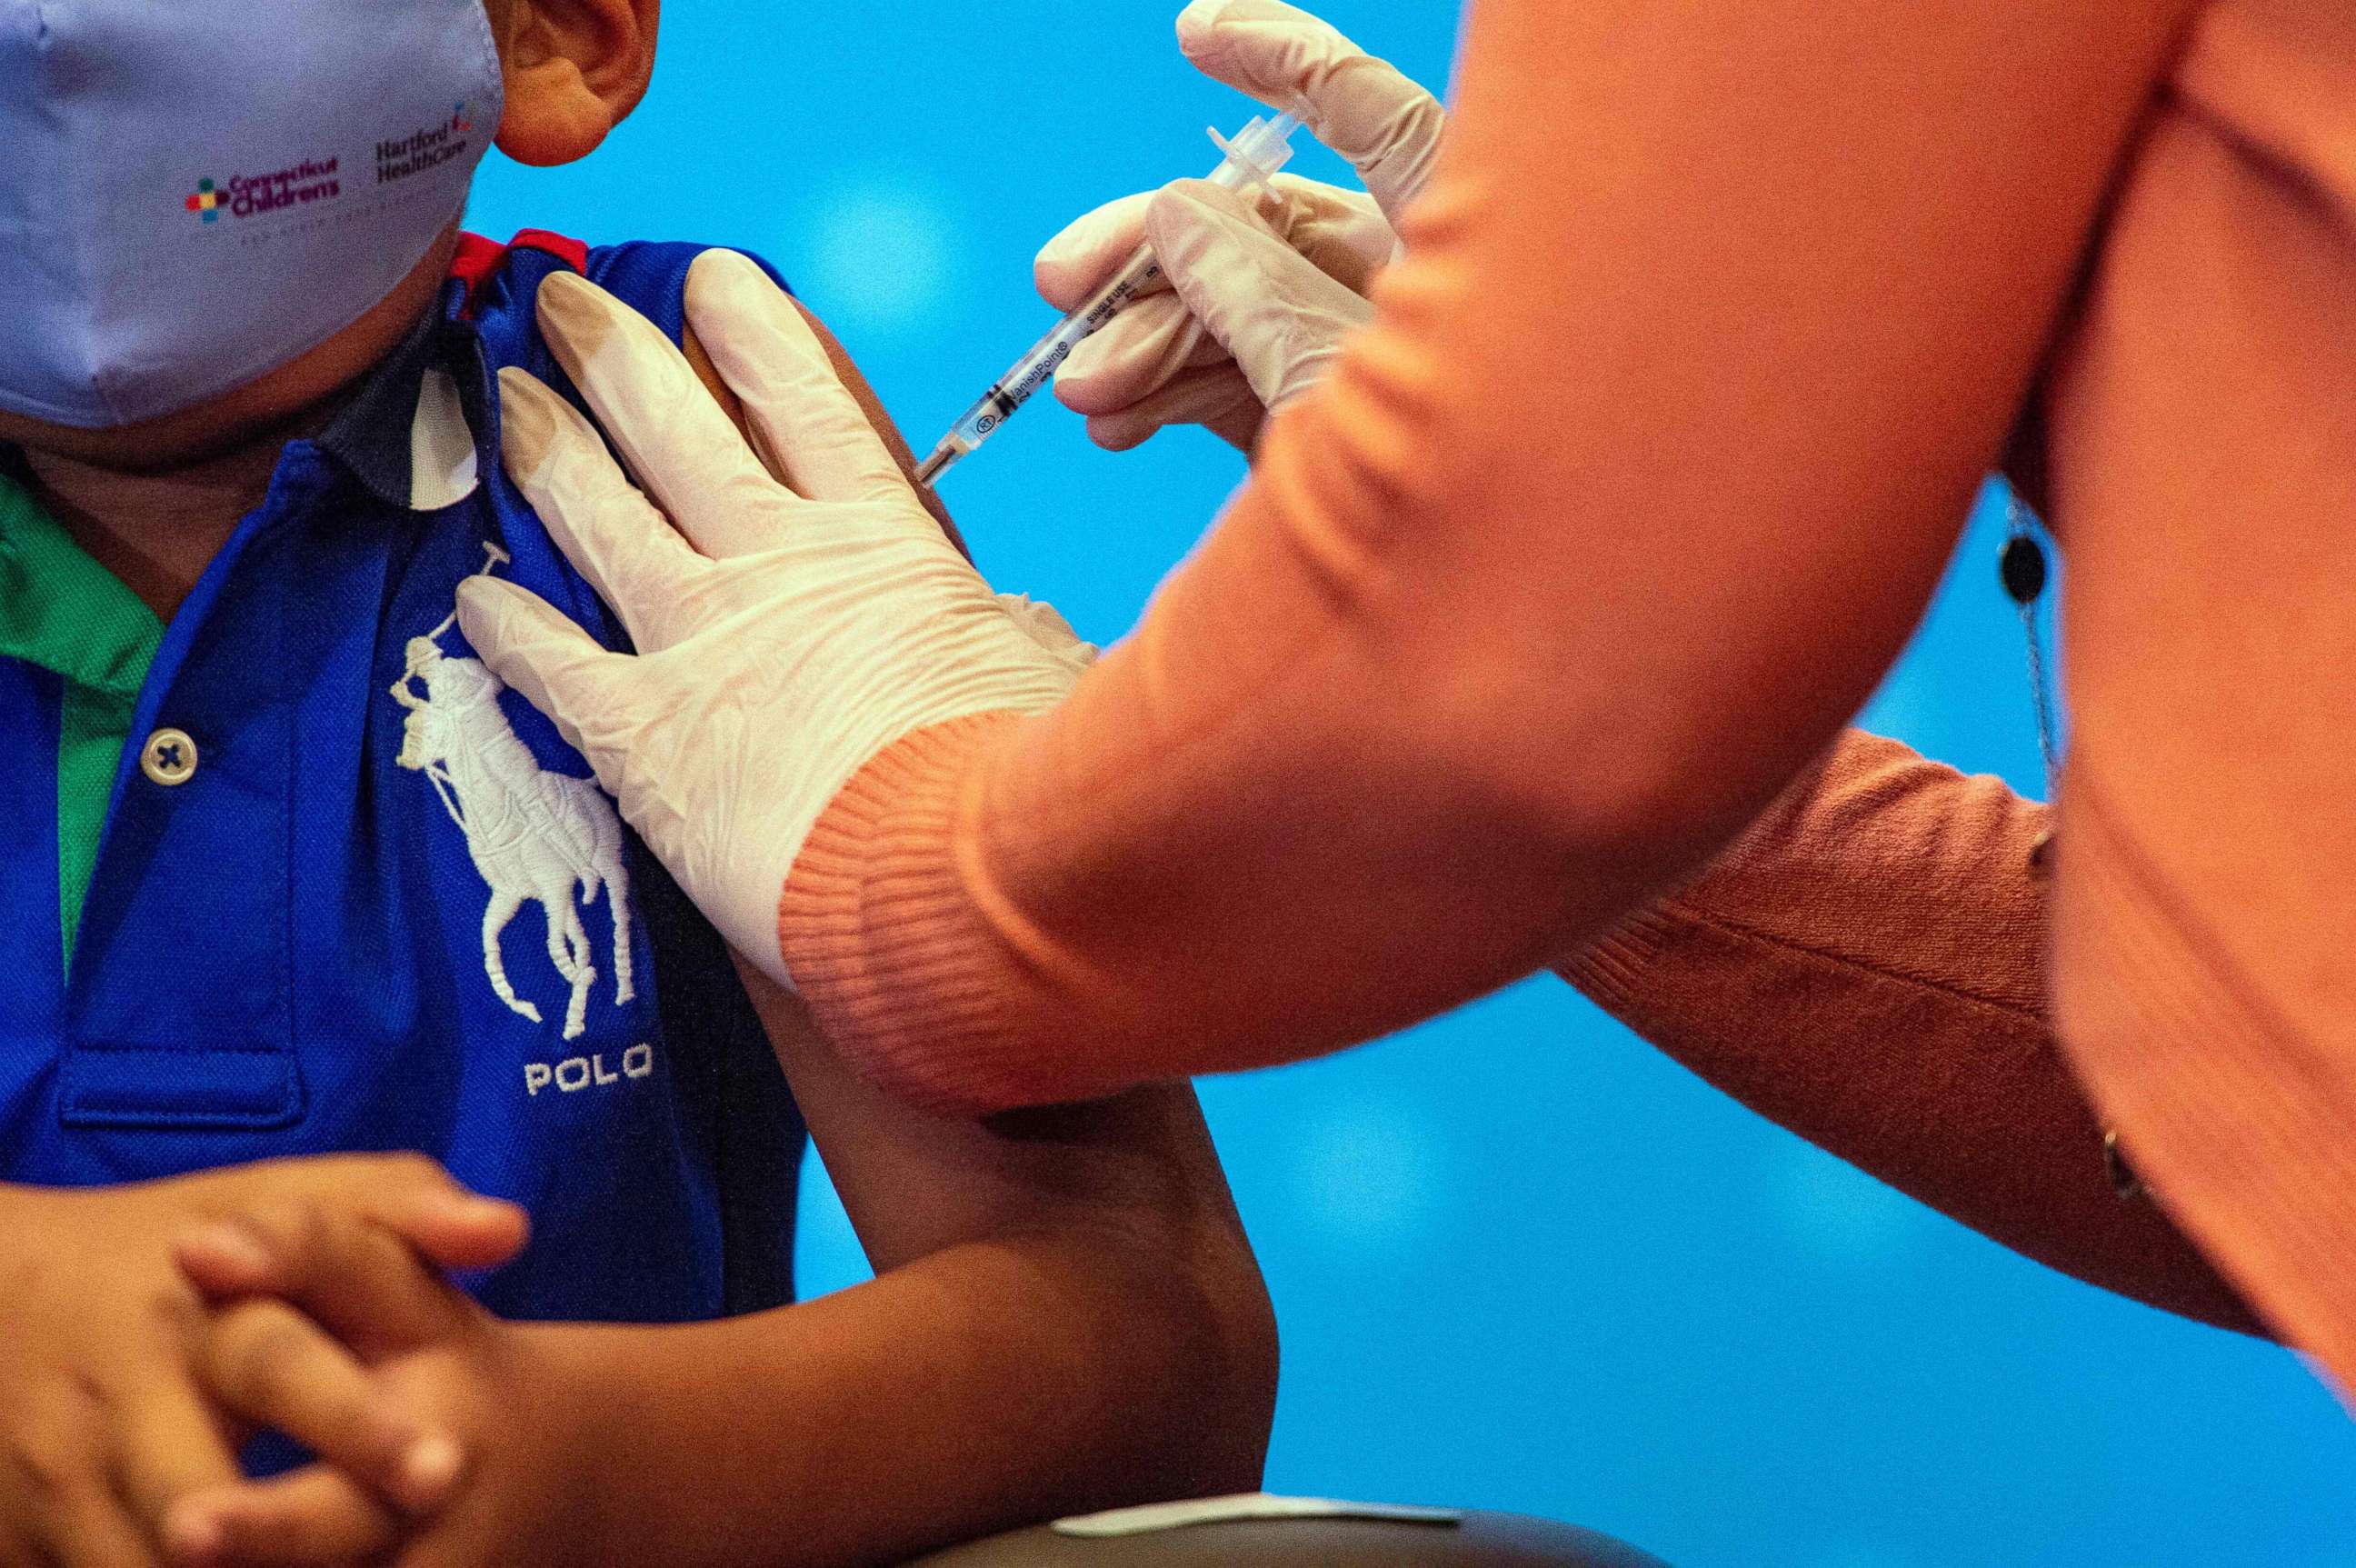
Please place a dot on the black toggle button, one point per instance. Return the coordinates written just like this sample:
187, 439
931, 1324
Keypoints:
2024, 569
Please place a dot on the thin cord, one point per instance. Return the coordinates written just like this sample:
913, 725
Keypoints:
2040, 685
2026, 573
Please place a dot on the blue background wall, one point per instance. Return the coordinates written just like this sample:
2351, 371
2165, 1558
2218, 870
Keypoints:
1521, 1261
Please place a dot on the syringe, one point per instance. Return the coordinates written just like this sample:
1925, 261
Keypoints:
1253, 157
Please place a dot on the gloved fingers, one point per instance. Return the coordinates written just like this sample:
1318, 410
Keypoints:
1159, 337
1311, 362
1135, 355
603, 523
1218, 398
679, 443
527, 642
811, 430
1363, 108
1091, 249
1276, 312
1342, 232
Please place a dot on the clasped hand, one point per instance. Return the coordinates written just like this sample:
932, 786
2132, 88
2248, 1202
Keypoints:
153, 1330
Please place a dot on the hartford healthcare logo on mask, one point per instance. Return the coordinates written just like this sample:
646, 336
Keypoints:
429, 149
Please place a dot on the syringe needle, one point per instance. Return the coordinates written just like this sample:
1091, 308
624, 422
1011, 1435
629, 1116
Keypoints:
934, 467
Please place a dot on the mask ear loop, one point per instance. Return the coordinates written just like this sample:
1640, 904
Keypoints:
2026, 573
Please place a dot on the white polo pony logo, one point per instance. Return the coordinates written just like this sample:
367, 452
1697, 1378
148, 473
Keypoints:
537, 837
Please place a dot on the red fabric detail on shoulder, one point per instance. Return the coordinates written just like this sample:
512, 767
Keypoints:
477, 258
573, 254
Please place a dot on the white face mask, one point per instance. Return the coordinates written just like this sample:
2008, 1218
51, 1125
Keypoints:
196, 192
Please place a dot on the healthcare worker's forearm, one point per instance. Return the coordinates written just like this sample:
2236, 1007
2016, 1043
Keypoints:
1707, 331
987, 1387
1867, 967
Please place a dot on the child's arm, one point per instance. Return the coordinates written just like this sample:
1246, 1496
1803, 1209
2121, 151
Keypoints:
1067, 1318
1119, 1346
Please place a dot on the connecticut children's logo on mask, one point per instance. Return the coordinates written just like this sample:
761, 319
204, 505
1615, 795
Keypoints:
305, 184
406, 156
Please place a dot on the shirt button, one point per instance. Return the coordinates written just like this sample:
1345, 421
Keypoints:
169, 758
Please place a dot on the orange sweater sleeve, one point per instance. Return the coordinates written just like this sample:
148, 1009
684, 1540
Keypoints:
1867, 967
1710, 326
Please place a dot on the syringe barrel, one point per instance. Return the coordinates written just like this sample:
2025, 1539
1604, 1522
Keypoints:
1036, 368
1257, 152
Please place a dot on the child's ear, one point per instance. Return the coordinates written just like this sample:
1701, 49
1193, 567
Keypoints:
575, 70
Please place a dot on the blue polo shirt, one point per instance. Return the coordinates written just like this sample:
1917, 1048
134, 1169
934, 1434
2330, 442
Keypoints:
297, 876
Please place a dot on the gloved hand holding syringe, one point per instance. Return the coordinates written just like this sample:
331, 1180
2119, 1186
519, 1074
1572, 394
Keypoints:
1254, 156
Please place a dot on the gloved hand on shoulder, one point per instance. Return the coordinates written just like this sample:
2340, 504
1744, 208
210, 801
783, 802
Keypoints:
794, 607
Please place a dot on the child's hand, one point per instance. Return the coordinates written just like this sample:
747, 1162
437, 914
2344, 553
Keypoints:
103, 1420
329, 1327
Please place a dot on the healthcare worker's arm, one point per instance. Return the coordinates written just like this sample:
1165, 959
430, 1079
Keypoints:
1708, 330
1708, 326
1867, 965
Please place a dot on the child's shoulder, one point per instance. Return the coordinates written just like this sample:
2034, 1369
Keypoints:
650, 275
661, 262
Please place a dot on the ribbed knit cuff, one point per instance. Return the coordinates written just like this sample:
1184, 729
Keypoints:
1612, 968
900, 967
1614, 971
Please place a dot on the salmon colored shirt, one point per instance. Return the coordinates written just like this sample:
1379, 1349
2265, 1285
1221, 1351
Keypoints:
1710, 324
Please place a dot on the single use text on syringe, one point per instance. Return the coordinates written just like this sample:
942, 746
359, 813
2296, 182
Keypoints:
1253, 157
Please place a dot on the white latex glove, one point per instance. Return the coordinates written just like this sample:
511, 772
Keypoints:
1258, 300
805, 613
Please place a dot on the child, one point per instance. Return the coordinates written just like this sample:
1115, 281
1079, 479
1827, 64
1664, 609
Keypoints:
295, 880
